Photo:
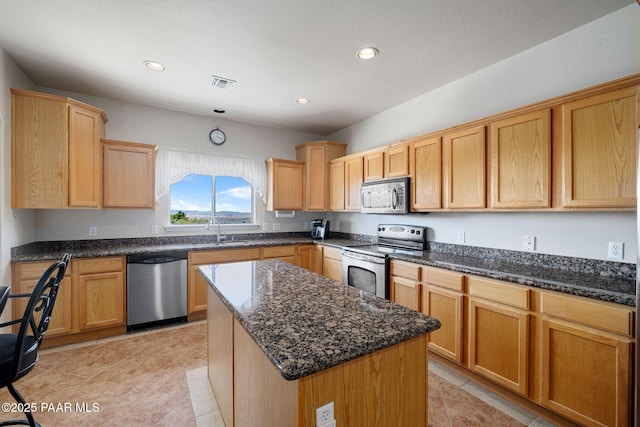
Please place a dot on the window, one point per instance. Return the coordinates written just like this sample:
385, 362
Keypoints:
196, 198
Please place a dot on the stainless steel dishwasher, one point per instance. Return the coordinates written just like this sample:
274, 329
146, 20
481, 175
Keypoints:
156, 289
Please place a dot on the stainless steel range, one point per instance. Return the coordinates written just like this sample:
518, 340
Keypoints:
367, 267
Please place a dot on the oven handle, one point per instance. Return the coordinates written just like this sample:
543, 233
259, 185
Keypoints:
363, 257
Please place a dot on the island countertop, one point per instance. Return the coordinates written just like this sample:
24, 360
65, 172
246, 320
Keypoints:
304, 322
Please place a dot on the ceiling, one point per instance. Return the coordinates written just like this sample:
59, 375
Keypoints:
276, 50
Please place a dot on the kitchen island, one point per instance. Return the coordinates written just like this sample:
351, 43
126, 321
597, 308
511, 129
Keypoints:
284, 341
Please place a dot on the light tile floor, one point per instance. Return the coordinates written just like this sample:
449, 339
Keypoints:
159, 378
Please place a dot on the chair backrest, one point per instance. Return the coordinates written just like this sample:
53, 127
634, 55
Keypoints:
4, 297
37, 315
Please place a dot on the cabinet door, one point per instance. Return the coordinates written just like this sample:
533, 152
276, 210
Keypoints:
310, 257
354, 173
586, 375
101, 300
332, 263
498, 344
599, 152
128, 175
285, 184
85, 185
405, 292
445, 306
27, 276
521, 161
337, 185
396, 161
315, 179
426, 174
464, 168
374, 165
39, 151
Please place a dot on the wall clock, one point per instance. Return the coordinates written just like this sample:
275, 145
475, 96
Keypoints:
217, 136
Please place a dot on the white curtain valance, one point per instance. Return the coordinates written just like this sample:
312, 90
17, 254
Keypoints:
172, 166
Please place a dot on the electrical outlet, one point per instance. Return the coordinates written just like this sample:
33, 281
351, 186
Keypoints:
154, 229
616, 250
529, 243
460, 236
276, 226
324, 414
306, 226
265, 226
93, 231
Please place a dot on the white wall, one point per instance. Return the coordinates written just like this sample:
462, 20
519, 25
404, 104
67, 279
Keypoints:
168, 129
600, 51
15, 229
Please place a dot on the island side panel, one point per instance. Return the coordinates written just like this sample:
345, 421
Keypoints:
262, 396
385, 388
220, 353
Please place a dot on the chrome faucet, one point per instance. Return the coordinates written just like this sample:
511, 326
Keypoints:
215, 220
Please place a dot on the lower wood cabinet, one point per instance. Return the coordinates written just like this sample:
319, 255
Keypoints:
283, 253
442, 298
586, 360
571, 355
332, 263
91, 299
310, 257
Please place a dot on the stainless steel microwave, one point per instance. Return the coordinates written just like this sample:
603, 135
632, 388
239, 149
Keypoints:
386, 196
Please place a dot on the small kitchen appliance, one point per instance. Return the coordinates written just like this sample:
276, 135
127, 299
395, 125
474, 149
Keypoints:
386, 196
320, 229
367, 267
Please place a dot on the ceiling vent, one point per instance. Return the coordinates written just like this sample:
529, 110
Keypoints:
222, 82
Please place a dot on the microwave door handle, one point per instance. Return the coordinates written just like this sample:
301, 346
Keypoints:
394, 198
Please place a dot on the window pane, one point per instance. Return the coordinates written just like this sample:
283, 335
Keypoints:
191, 200
233, 200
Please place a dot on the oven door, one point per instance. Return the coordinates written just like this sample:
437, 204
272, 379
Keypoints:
365, 272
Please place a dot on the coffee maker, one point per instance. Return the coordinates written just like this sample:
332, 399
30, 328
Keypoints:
320, 229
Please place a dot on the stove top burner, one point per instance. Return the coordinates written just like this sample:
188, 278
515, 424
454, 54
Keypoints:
395, 239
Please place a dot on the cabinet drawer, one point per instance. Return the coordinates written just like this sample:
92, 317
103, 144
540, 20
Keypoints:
278, 251
405, 269
444, 278
493, 290
227, 255
600, 315
34, 270
333, 253
99, 265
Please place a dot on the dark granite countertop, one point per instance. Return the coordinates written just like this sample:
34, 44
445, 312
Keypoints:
602, 280
579, 283
305, 322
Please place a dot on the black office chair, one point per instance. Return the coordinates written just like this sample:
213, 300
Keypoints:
19, 352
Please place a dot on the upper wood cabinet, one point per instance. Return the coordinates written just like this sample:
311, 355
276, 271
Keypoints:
599, 150
55, 152
388, 162
128, 174
396, 160
316, 156
425, 170
463, 167
373, 165
285, 184
520, 159
346, 176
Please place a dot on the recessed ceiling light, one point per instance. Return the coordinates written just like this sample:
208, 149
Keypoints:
302, 101
367, 53
219, 111
154, 65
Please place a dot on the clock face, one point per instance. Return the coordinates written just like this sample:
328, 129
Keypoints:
217, 136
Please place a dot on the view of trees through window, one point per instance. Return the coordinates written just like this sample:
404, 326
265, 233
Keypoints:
195, 198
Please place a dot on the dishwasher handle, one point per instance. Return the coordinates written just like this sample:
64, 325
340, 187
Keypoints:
158, 258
